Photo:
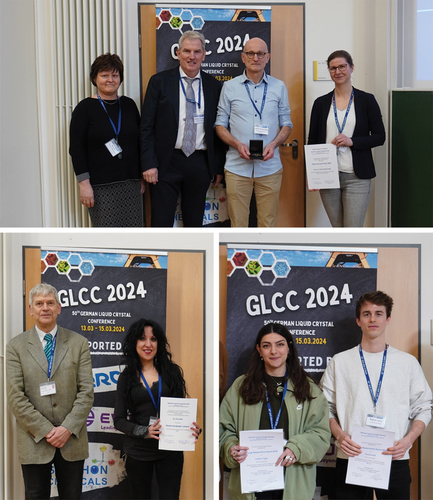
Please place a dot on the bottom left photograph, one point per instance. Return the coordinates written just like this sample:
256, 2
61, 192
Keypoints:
103, 397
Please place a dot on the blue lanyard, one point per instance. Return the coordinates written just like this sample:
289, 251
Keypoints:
199, 92
382, 371
271, 418
340, 129
50, 361
150, 392
119, 121
265, 91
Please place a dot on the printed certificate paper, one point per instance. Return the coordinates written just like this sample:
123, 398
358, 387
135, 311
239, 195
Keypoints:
177, 416
322, 166
258, 471
371, 468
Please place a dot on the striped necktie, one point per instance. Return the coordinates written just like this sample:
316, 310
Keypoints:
47, 349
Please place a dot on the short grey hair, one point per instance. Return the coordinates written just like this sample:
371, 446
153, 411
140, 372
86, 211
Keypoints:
43, 289
193, 34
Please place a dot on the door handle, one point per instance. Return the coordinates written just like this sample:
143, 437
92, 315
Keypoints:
294, 145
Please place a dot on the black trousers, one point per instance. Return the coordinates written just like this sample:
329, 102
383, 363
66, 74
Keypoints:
269, 495
69, 475
168, 473
399, 483
187, 176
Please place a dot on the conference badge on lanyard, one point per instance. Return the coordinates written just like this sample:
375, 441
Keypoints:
114, 148
374, 419
341, 128
277, 418
156, 404
49, 388
113, 145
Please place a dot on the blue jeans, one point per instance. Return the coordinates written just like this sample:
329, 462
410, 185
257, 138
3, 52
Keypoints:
347, 206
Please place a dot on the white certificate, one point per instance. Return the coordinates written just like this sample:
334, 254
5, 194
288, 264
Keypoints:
258, 470
322, 166
370, 468
177, 416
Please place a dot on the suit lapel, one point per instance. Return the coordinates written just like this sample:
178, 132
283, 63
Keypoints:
174, 90
206, 97
61, 349
34, 346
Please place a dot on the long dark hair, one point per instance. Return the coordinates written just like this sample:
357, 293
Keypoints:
253, 390
171, 373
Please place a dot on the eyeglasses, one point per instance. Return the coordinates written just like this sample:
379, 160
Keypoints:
251, 55
342, 68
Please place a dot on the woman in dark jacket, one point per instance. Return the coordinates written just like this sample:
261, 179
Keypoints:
149, 375
104, 145
351, 120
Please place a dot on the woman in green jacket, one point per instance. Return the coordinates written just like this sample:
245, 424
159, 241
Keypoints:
276, 384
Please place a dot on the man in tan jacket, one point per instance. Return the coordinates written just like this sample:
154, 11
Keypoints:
50, 392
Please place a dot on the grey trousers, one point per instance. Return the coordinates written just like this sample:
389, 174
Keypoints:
347, 206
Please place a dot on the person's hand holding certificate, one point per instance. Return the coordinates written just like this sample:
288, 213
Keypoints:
258, 470
370, 468
177, 417
322, 166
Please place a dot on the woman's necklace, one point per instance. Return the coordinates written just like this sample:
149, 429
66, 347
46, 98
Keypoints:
111, 102
278, 385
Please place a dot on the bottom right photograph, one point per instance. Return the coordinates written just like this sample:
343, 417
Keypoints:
325, 365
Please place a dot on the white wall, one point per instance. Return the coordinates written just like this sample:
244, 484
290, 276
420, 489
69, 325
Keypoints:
12, 306
361, 27
20, 194
376, 238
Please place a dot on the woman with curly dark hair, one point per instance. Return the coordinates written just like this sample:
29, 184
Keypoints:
149, 374
276, 393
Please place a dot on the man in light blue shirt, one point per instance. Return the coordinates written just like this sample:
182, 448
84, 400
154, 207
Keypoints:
253, 106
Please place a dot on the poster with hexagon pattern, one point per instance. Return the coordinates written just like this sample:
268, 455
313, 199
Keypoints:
226, 31
101, 294
312, 291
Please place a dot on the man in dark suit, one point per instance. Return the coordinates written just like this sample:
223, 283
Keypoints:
180, 152
50, 391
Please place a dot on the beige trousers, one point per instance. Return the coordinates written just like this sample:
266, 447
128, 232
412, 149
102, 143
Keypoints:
239, 192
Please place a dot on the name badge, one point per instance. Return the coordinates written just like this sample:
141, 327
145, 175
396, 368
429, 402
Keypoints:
47, 388
375, 421
113, 147
261, 129
152, 420
199, 119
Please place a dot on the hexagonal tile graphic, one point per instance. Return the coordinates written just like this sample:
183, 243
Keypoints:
257, 263
267, 259
197, 23
239, 259
253, 268
87, 267
186, 16
62, 266
267, 277
68, 263
51, 259
281, 268
74, 274
176, 22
